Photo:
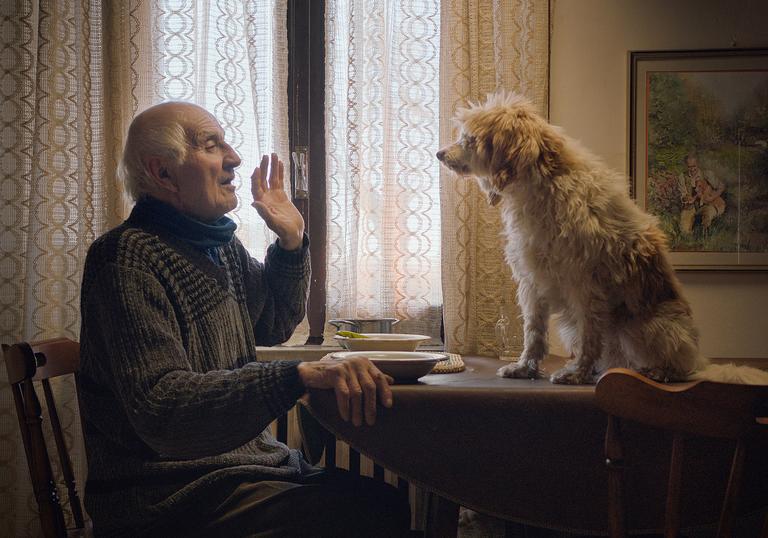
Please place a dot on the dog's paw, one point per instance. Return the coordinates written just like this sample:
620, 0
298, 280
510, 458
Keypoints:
662, 375
570, 376
520, 370
656, 374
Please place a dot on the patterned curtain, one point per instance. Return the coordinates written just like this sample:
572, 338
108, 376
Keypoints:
74, 73
382, 105
56, 198
486, 45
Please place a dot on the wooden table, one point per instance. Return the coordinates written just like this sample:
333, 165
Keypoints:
531, 452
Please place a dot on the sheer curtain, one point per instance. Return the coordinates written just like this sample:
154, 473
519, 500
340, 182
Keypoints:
74, 74
382, 127
486, 45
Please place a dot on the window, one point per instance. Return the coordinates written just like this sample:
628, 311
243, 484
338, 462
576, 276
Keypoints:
362, 102
378, 201
228, 57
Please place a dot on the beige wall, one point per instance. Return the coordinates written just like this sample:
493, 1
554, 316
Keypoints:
590, 40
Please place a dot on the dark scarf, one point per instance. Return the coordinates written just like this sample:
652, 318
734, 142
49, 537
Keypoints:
204, 236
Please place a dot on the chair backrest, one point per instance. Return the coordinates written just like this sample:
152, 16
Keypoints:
41, 361
698, 408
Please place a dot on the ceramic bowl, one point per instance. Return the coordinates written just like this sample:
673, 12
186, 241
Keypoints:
403, 366
382, 342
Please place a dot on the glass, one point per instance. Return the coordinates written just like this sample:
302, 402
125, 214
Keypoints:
507, 339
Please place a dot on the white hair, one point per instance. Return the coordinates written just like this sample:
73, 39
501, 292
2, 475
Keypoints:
167, 139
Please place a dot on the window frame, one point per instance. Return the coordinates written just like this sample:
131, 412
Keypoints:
306, 131
306, 117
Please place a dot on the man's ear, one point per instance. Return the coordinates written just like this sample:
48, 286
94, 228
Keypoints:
159, 174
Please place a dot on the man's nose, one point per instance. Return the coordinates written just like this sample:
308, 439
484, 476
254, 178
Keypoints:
232, 159
440, 155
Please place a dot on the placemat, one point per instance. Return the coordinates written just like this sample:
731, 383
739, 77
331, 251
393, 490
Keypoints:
452, 364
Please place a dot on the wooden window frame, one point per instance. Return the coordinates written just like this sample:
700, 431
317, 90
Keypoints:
306, 116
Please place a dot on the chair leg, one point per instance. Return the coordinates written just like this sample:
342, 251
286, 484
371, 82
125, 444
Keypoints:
614, 460
725, 528
64, 461
672, 514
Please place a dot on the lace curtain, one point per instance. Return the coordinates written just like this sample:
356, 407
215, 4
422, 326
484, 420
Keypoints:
69, 92
486, 45
382, 106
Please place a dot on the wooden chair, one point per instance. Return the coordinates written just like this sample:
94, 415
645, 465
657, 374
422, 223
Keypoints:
42, 361
699, 408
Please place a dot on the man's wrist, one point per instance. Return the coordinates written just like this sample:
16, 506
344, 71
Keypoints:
288, 246
307, 373
291, 244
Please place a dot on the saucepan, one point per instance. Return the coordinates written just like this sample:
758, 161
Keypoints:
373, 325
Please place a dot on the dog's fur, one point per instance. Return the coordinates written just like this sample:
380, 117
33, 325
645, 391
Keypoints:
579, 246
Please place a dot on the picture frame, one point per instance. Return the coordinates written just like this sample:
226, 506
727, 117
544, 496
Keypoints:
698, 153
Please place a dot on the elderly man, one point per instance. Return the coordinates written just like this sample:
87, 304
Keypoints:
175, 404
700, 194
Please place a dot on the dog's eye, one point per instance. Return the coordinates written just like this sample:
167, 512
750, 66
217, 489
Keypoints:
470, 140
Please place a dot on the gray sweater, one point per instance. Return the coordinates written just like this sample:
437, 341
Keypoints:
175, 402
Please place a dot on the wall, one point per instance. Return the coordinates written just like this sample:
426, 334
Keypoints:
589, 98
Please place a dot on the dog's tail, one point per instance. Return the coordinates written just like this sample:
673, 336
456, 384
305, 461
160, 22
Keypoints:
731, 373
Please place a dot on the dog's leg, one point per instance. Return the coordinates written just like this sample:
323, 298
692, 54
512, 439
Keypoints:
664, 347
581, 369
613, 355
535, 345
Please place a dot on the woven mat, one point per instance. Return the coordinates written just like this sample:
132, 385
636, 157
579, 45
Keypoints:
452, 364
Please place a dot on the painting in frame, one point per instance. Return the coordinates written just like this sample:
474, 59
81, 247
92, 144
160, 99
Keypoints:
699, 153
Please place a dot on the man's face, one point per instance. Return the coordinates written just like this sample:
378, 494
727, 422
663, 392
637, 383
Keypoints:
692, 166
205, 180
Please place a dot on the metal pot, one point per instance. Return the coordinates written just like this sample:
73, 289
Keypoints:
375, 325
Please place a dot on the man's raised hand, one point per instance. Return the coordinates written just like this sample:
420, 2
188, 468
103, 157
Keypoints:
273, 204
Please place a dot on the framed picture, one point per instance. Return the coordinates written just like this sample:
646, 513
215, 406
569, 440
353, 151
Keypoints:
699, 153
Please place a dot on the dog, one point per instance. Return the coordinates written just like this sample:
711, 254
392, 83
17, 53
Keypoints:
578, 245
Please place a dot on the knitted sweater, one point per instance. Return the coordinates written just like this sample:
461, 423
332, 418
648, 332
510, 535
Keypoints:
175, 402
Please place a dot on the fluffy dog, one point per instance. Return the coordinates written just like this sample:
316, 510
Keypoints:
579, 246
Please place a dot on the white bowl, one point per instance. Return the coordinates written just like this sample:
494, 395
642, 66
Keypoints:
403, 366
382, 342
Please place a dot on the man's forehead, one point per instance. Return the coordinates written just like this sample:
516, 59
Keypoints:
200, 119
202, 125
189, 115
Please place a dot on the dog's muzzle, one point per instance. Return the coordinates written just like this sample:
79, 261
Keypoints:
444, 157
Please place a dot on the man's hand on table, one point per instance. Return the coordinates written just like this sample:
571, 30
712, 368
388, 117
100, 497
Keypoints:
356, 382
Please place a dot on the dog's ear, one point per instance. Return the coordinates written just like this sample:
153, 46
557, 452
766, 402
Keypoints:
528, 143
497, 149
499, 179
550, 151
